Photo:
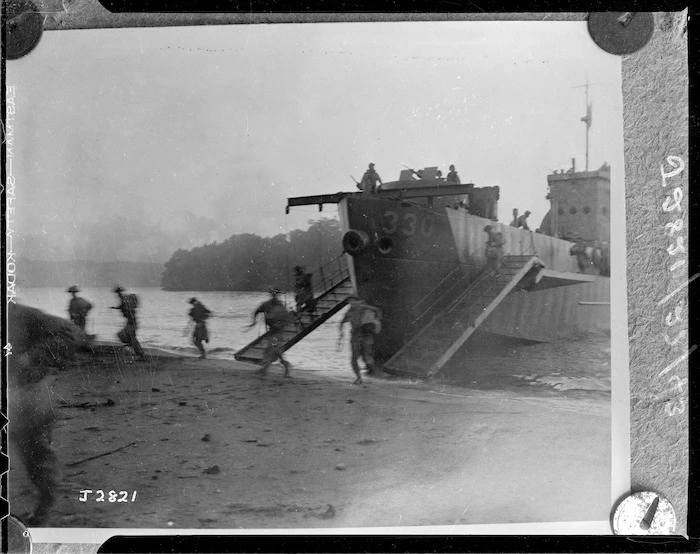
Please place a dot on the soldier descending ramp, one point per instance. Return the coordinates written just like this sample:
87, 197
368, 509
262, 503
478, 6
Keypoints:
333, 286
432, 347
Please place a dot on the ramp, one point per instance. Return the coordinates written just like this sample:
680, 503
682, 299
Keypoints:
425, 354
332, 286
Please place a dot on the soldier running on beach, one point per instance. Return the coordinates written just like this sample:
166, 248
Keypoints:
38, 341
78, 308
364, 324
276, 318
199, 314
128, 306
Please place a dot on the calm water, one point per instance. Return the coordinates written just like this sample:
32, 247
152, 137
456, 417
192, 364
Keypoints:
163, 323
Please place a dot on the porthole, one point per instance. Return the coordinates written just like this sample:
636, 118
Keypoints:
354, 242
561, 211
586, 210
385, 245
572, 210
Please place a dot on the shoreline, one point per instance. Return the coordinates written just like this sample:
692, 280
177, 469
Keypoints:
578, 366
209, 444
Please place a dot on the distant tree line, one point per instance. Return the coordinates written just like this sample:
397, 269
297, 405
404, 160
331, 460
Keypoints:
248, 262
87, 273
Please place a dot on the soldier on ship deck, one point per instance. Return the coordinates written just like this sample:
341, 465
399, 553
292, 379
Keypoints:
494, 250
368, 184
452, 176
522, 221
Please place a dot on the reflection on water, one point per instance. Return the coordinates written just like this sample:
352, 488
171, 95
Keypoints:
164, 323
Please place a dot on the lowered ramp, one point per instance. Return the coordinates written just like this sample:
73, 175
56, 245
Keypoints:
333, 286
430, 349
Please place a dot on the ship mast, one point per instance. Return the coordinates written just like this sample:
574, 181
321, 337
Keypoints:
587, 120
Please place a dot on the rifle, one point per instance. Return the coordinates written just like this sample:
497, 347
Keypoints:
417, 173
358, 184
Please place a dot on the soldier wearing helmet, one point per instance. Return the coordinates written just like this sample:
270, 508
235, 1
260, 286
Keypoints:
522, 221
452, 176
199, 314
276, 319
128, 306
494, 249
368, 184
78, 308
365, 323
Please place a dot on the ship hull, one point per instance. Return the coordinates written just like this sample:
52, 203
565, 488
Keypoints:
411, 248
541, 315
553, 314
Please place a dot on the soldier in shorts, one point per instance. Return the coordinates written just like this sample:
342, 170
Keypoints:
128, 304
276, 318
78, 308
494, 250
362, 331
199, 314
38, 341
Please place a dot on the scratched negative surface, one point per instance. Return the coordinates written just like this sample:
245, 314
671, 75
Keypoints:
133, 143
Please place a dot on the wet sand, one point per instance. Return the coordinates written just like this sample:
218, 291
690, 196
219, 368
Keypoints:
210, 444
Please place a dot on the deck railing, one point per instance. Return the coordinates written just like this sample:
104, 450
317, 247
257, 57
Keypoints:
330, 274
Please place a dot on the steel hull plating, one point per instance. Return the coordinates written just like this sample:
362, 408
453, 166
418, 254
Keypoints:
412, 247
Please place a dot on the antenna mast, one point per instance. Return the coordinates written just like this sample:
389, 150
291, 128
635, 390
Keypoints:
587, 120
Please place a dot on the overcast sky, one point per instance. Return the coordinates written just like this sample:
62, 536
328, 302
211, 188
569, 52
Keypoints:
130, 143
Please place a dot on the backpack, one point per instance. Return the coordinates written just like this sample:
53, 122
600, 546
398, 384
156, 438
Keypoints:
370, 321
277, 317
79, 306
199, 312
131, 301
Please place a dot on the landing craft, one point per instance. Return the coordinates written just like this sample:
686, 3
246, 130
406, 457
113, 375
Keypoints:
416, 249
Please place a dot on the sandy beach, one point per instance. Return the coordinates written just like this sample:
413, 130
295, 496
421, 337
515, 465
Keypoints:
211, 444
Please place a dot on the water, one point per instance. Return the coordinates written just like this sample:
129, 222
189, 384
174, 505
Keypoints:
163, 323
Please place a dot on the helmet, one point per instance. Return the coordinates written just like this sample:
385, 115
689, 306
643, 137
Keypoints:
192, 300
118, 288
74, 288
274, 290
371, 166
452, 168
